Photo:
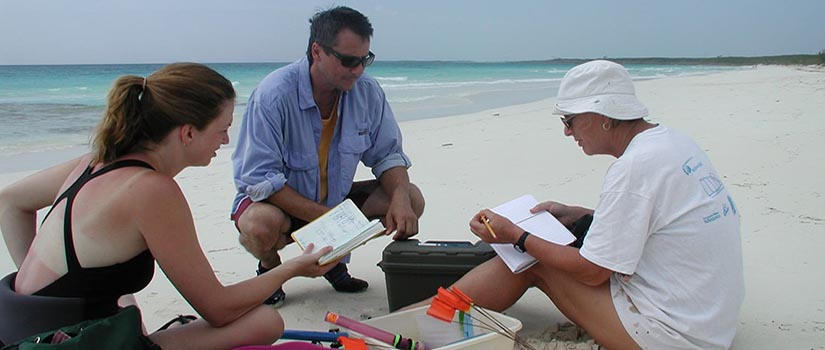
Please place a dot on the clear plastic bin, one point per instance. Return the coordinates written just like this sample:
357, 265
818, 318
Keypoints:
405, 323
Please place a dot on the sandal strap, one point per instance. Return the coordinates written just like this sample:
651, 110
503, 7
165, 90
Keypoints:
182, 319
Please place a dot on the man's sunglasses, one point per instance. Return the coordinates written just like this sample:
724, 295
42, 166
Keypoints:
568, 120
351, 61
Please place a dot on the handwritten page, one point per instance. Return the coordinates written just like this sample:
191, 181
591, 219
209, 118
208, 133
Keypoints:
541, 224
343, 227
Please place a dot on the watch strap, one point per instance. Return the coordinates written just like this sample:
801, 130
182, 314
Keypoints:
519, 245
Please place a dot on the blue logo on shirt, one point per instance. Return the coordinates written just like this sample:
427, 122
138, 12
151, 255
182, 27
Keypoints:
690, 168
732, 206
711, 185
712, 217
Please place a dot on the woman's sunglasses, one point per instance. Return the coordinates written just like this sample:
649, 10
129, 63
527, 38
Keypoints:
351, 61
568, 120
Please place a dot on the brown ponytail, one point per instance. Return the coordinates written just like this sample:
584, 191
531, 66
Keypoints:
141, 113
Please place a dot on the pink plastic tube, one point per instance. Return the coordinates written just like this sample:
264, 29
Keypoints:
378, 334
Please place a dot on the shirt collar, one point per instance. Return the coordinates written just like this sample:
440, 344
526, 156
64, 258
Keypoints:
306, 100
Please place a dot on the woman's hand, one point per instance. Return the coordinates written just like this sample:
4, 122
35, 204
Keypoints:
505, 230
306, 264
564, 213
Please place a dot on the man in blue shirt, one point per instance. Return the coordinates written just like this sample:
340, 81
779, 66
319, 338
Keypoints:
306, 127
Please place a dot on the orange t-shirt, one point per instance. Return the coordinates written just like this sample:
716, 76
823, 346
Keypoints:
327, 128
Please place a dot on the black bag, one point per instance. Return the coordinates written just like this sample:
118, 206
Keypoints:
23, 315
122, 330
579, 229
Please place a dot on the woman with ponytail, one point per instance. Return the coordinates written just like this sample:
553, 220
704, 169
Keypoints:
118, 210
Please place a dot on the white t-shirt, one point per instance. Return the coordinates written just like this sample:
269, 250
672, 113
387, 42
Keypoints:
669, 229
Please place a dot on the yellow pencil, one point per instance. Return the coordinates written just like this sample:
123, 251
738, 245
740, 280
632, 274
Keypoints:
486, 222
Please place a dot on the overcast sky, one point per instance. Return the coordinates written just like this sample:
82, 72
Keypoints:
160, 31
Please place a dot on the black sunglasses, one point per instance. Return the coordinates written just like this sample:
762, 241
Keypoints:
568, 121
351, 61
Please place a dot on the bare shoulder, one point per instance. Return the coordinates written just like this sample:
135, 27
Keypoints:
161, 215
158, 207
152, 187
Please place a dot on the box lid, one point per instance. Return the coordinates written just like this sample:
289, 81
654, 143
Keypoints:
414, 251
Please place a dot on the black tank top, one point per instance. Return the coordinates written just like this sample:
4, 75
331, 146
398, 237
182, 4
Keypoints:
102, 286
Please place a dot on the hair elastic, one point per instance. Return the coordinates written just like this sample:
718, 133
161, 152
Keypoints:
142, 89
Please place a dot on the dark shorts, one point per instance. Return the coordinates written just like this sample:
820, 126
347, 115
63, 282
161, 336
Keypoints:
360, 191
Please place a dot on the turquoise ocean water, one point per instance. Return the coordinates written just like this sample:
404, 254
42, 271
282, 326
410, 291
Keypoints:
56, 107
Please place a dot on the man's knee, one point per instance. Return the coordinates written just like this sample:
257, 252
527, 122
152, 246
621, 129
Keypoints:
416, 200
262, 225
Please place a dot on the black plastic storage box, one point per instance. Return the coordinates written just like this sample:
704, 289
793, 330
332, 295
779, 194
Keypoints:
414, 270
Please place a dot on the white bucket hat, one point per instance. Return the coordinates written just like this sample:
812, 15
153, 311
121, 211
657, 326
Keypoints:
601, 87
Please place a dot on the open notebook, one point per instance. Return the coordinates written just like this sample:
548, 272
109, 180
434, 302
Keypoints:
541, 224
343, 227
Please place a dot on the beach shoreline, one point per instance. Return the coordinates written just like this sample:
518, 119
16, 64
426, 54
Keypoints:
49, 111
760, 127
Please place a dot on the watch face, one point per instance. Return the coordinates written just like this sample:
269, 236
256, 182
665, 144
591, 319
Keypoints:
518, 249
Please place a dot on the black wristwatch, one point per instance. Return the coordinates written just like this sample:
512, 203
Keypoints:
519, 245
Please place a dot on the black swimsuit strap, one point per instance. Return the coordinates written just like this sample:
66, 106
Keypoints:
71, 256
72, 189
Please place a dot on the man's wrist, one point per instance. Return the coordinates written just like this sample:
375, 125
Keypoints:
400, 191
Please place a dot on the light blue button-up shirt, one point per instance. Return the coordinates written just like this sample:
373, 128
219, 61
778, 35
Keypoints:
281, 131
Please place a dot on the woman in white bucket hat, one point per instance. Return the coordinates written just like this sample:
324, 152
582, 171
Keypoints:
660, 266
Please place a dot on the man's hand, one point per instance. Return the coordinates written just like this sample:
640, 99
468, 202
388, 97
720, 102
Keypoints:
401, 218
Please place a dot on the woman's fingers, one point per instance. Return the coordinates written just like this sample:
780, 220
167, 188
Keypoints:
308, 249
549, 206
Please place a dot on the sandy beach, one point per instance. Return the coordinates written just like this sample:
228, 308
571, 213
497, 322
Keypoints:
760, 127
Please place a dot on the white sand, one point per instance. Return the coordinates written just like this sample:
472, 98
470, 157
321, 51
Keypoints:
761, 128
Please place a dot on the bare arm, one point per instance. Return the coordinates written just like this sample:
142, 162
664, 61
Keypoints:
562, 257
165, 221
20, 201
400, 215
296, 205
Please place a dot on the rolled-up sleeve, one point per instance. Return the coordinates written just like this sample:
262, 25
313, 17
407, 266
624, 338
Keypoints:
258, 158
386, 151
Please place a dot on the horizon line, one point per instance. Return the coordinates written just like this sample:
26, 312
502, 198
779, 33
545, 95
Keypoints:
548, 60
